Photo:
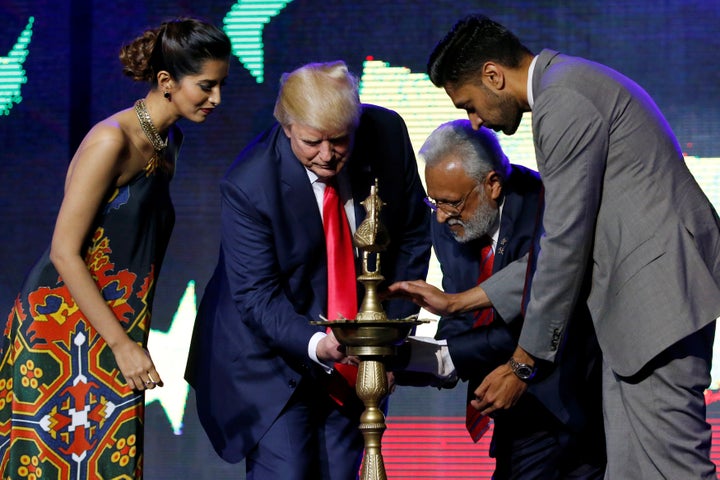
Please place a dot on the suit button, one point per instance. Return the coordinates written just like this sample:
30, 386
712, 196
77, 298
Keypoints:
292, 383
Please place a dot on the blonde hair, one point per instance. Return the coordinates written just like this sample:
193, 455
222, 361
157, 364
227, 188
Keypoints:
323, 96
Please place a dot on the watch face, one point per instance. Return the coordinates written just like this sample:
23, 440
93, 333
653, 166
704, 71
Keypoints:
524, 371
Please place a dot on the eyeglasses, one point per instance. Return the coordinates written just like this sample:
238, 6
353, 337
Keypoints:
449, 208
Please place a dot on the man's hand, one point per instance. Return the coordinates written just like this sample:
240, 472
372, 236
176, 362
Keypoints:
391, 382
423, 294
500, 390
329, 350
438, 302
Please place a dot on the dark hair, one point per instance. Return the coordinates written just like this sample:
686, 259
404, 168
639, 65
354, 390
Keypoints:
179, 46
473, 41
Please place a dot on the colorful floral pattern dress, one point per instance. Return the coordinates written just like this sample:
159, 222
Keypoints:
66, 411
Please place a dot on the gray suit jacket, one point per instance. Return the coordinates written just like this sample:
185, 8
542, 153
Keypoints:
621, 207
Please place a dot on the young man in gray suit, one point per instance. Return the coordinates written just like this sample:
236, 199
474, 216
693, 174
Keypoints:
623, 212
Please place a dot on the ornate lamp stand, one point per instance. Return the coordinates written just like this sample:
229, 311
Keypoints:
372, 337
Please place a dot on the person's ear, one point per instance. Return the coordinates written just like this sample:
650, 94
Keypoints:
165, 83
493, 76
493, 186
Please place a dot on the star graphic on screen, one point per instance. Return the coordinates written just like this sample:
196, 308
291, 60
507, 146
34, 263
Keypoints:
12, 73
244, 25
169, 352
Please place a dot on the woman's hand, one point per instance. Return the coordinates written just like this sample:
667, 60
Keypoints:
136, 366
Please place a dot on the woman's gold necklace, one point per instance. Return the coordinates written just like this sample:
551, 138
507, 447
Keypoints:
159, 145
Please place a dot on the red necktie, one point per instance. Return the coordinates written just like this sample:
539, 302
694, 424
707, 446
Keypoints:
477, 423
487, 257
342, 286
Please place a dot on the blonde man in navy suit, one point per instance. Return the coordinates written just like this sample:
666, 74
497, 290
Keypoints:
622, 212
259, 368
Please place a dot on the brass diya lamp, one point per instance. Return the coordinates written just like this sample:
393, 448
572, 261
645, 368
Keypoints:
371, 336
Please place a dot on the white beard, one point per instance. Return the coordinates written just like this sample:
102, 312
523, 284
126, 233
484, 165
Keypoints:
483, 222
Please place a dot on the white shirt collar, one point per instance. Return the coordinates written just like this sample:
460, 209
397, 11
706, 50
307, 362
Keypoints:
531, 70
344, 190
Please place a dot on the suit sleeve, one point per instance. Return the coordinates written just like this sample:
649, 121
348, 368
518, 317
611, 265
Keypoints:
505, 289
413, 256
254, 277
475, 350
481, 349
572, 146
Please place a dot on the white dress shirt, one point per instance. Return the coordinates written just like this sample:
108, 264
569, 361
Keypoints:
345, 192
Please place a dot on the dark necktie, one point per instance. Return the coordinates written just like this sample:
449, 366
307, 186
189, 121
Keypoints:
342, 286
477, 423
484, 316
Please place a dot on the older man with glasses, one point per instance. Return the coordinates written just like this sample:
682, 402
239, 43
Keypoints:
488, 218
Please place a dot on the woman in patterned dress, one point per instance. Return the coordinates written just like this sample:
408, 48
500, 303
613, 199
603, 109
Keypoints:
73, 363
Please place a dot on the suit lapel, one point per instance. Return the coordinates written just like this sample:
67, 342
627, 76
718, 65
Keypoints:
298, 193
506, 228
507, 224
545, 59
361, 178
300, 203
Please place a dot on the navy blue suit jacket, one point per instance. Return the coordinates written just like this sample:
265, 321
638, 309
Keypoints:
249, 347
571, 391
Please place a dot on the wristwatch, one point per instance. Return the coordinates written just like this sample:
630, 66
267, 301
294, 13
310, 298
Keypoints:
523, 371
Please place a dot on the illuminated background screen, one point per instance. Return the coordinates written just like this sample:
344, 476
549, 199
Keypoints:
59, 74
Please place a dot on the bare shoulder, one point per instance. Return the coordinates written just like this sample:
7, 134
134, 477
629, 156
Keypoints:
110, 134
114, 130
106, 146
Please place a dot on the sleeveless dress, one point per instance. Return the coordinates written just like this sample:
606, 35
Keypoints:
66, 411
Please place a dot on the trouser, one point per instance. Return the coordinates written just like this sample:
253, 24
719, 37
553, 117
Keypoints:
655, 421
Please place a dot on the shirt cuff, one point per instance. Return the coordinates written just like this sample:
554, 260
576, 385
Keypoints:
431, 356
312, 351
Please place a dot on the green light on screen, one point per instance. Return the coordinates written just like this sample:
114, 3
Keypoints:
244, 24
12, 74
